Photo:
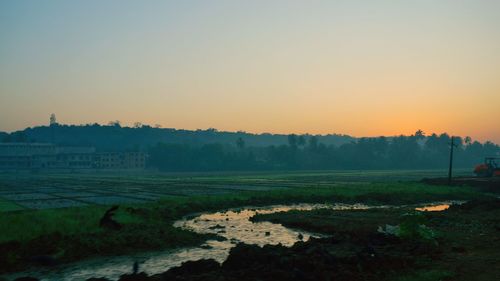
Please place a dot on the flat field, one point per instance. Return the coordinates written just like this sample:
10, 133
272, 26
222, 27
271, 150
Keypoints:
46, 191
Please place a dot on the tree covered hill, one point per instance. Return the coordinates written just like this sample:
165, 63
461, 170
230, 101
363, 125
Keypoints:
116, 138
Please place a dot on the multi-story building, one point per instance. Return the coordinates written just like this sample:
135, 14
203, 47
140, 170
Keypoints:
75, 157
26, 155
49, 156
120, 160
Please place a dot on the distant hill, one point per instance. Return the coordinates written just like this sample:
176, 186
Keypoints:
116, 138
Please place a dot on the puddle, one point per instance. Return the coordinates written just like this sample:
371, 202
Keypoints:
435, 208
438, 207
235, 225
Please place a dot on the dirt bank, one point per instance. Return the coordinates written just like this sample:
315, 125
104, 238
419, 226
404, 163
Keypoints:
483, 184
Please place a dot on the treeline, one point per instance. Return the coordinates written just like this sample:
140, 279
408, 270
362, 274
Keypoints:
211, 150
114, 137
307, 153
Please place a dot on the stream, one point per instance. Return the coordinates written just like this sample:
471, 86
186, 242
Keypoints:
233, 225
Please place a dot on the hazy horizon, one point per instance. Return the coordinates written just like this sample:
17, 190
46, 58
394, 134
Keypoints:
158, 126
360, 68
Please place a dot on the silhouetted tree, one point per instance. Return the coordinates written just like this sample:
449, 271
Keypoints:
419, 134
240, 143
467, 140
115, 123
301, 140
313, 143
292, 140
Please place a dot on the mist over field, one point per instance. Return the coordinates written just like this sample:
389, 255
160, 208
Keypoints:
211, 150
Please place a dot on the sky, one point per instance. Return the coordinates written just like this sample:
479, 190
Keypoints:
363, 68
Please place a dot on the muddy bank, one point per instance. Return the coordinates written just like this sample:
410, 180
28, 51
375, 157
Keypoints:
466, 237
318, 259
371, 258
465, 245
353, 222
484, 184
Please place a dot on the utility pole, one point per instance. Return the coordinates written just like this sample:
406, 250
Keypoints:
452, 145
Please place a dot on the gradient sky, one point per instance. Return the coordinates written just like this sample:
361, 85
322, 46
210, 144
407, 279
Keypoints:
363, 68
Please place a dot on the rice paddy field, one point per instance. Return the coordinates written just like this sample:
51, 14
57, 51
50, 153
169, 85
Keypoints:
19, 191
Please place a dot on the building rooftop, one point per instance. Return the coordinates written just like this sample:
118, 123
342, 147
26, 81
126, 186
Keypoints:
29, 149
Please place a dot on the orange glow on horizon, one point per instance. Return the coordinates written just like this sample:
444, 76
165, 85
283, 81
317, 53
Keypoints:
366, 68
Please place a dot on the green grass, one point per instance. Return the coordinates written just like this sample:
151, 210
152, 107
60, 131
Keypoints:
7, 206
26, 225
74, 233
168, 181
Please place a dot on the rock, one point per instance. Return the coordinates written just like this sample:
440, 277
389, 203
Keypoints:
217, 226
458, 249
135, 267
134, 277
219, 238
44, 260
193, 267
478, 205
107, 220
244, 256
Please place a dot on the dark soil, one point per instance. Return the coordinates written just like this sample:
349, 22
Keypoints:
484, 184
371, 258
471, 240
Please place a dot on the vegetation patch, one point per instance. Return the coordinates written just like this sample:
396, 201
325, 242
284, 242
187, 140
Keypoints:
7, 206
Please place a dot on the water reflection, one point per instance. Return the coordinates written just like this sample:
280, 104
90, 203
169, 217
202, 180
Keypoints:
433, 208
235, 225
